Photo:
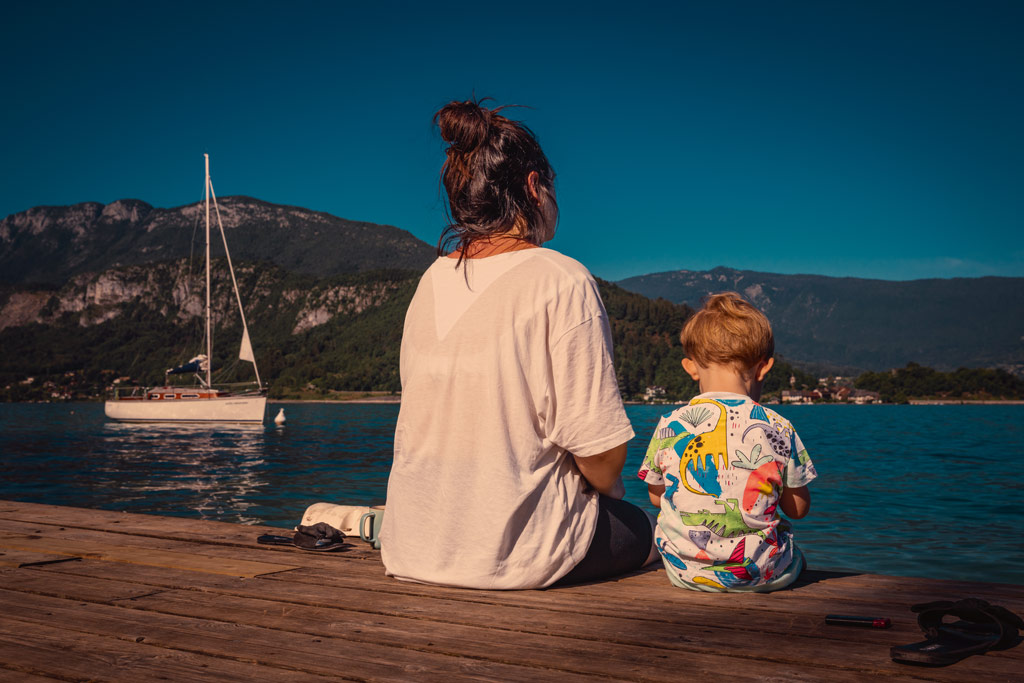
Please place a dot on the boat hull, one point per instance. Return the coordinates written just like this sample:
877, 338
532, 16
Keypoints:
250, 409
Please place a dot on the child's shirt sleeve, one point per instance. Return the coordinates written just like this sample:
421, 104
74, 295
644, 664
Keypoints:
799, 470
650, 469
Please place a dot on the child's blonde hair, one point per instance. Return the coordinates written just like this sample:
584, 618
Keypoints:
728, 331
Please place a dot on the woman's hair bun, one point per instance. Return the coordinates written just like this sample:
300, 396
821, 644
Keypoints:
486, 175
464, 125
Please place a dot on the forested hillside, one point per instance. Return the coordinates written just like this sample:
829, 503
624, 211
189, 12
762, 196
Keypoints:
648, 351
312, 336
315, 337
135, 322
917, 381
96, 294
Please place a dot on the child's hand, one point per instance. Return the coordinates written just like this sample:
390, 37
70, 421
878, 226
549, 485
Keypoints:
618, 491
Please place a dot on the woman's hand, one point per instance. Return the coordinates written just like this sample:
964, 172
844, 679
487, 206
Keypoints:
604, 470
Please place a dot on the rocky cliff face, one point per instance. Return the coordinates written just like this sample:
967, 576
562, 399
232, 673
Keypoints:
318, 308
51, 244
174, 290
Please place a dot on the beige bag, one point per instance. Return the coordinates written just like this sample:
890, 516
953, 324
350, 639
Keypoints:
344, 518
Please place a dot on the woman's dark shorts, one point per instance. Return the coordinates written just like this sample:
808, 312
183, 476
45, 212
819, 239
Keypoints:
622, 543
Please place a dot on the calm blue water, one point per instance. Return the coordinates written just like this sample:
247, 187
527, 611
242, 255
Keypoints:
905, 490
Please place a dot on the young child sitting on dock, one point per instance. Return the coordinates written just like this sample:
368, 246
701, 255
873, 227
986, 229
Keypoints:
721, 466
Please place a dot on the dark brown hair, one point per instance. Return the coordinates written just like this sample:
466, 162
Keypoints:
728, 331
489, 159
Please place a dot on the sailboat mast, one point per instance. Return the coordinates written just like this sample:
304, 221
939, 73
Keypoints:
209, 335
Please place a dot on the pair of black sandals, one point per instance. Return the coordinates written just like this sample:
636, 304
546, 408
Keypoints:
980, 627
319, 537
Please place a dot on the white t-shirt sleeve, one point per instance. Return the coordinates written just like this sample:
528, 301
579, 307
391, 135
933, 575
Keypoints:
650, 469
585, 412
799, 469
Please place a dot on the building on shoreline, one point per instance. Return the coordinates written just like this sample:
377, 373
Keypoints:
840, 395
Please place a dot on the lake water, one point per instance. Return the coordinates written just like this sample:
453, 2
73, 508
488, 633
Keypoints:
904, 490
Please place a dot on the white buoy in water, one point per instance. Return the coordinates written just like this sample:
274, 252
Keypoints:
280, 417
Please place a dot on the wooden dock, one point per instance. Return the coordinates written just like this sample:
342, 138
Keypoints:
89, 595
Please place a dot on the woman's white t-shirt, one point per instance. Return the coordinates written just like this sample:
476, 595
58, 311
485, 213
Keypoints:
503, 379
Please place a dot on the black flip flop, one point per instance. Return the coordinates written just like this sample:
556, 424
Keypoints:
319, 537
982, 627
271, 539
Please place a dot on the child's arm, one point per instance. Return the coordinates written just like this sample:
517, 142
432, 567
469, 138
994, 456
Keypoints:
654, 492
604, 470
795, 502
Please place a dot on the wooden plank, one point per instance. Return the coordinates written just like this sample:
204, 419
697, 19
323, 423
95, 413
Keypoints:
38, 517
814, 600
323, 655
64, 586
630, 622
135, 523
834, 596
207, 531
22, 558
121, 535
688, 620
592, 646
86, 657
805, 618
711, 614
566, 656
180, 543
55, 545
22, 677
871, 588
916, 590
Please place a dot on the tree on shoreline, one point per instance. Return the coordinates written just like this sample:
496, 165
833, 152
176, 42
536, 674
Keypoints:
918, 381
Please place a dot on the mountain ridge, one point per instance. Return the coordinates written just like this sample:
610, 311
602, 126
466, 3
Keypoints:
50, 244
869, 324
825, 324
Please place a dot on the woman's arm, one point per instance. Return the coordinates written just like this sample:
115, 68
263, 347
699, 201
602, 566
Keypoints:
604, 470
796, 503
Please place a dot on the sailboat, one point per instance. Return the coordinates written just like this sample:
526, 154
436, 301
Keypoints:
202, 402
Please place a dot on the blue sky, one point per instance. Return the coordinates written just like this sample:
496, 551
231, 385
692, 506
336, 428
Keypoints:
866, 139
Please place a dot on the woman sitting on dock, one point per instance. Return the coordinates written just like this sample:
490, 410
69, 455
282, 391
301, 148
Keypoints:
512, 436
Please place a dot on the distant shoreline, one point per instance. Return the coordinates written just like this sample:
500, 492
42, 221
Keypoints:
913, 402
362, 399
964, 402
394, 400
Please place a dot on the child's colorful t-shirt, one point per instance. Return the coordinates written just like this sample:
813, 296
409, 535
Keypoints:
724, 460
